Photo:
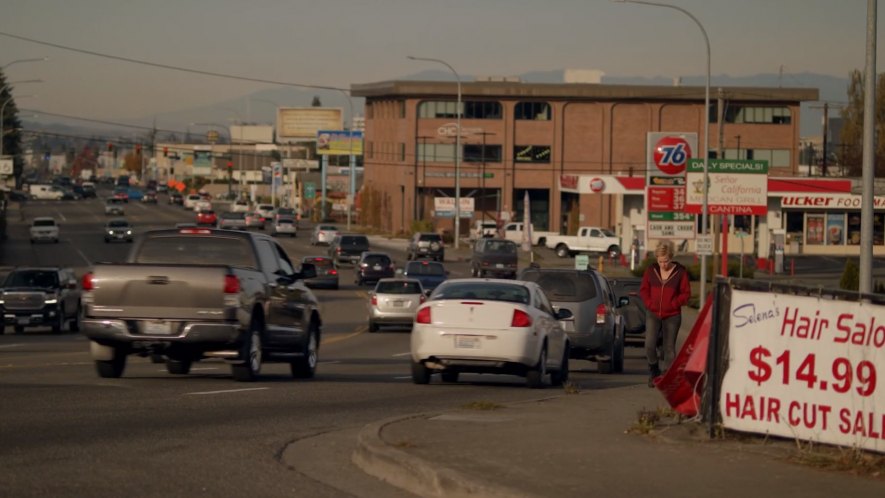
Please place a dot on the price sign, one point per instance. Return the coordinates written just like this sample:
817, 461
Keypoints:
807, 368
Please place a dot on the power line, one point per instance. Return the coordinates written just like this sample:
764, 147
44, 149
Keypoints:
171, 67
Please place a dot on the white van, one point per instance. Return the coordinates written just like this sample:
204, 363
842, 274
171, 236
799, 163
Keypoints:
46, 192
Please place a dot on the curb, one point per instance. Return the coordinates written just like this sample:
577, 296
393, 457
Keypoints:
396, 467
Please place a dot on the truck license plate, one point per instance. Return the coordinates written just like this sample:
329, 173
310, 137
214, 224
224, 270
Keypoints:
23, 320
157, 328
499, 265
466, 342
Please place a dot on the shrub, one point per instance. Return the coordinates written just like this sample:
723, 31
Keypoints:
850, 276
645, 263
421, 226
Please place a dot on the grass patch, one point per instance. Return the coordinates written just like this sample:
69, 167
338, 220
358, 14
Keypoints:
482, 406
853, 460
571, 388
646, 421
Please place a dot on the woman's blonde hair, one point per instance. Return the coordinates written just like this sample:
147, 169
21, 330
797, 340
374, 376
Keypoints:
664, 248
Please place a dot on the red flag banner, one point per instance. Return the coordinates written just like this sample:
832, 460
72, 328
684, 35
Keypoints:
681, 384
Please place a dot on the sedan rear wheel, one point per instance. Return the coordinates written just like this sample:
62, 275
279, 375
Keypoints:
560, 376
178, 367
534, 378
420, 373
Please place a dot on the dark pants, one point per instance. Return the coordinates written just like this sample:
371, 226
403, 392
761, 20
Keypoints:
654, 328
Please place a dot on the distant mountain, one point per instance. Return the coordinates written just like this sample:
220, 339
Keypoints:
260, 107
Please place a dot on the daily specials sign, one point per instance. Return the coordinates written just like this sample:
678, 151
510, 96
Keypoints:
807, 368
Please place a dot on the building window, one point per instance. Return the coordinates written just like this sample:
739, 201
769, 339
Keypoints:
370, 150
751, 114
531, 154
777, 158
482, 154
402, 151
853, 235
401, 108
835, 229
532, 111
482, 110
436, 153
814, 233
448, 110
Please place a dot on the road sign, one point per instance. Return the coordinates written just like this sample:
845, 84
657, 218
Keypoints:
6, 167
582, 262
705, 245
310, 190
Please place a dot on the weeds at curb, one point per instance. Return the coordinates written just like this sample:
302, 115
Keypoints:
646, 421
482, 406
571, 388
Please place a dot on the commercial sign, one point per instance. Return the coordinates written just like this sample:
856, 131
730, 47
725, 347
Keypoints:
202, 160
531, 154
829, 201
665, 199
444, 207
303, 123
672, 226
6, 166
310, 190
451, 130
735, 186
667, 154
339, 143
807, 368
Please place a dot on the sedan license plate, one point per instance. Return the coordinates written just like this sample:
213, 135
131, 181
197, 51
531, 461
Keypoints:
157, 328
377, 267
398, 304
467, 342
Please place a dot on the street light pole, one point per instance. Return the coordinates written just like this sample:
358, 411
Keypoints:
37, 59
457, 146
706, 117
352, 159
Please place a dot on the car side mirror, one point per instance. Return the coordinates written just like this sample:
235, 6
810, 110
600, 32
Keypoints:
564, 314
623, 301
427, 292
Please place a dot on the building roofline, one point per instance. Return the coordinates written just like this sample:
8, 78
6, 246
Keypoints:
578, 91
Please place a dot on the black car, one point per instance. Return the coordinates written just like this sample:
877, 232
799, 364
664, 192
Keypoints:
494, 257
427, 245
17, 195
176, 198
631, 308
40, 296
347, 248
373, 266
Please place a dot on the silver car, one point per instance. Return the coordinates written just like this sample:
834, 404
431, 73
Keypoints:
284, 225
119, 229
231, 221
323, 234
394, 301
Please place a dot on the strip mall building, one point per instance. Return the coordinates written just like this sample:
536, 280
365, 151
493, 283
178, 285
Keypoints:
581, 153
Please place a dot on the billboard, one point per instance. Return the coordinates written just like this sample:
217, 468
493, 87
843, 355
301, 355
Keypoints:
303, 123
202, 160
339, 143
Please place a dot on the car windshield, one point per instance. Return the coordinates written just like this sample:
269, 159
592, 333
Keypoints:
425, 268
354, 241
563, 286
118, 224
331, 228
285, 211
430, 237
114, 201
44, 223
398, 287
486, 291
284, 221
196, 250
32, 278
206, 213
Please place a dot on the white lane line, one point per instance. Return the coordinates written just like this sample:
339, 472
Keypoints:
193, 369
88, 263
61, 215
228, 391
332, 362
11, 346
402, 378
401, 354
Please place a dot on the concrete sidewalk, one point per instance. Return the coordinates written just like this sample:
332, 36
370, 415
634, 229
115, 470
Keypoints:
579, 445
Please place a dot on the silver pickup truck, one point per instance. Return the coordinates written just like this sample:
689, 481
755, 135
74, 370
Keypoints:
192, 293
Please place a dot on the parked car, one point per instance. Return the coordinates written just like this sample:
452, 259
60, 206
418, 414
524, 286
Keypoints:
514, 232
207, 217
255, 220
202, 205
595, 330
284, 225
428, 245
88, 190
162, 188
490, 326
40, 296
175, 198
18, 196
323, 234
373, 266
266, 210
394, 301
44, 229
484, 229
348, 248
496, 257
588, 239
429, 273
240, 206
232, 221
118, 229
631, 309
114, 206
191, 200
327, 274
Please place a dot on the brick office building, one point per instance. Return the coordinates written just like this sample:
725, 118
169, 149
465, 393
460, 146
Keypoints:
540, 138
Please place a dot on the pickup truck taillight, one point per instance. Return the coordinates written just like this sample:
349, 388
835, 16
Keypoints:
88, 283
600, 313
231, 284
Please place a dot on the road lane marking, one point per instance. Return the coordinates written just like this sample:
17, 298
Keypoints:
88, 263
333, 340
333, 362
401, 354
193, 369
61, 215
227, 391
11, 346
403, 378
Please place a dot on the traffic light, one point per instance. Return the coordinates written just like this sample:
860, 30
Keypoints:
110, 147
165, 151
138, 149
230, 165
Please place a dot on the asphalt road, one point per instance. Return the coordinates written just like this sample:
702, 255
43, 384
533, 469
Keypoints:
66, 432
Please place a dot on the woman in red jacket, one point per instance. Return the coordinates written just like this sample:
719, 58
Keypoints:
665, 290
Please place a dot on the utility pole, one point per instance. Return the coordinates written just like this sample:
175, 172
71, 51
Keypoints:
823, 164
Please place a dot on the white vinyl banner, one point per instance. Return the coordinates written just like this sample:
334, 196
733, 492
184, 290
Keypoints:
806, 368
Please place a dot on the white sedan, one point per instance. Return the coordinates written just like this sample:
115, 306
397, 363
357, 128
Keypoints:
44, 228
490, 326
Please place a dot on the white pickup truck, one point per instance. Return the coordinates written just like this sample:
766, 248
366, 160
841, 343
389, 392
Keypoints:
588, 239
513, 231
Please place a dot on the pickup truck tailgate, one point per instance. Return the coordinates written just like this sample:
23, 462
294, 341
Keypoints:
169, 292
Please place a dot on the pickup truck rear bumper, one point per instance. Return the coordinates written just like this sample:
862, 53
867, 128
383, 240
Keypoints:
130, 331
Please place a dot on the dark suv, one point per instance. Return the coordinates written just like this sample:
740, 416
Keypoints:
596, 330
373, 266
348, 247
41, 296
426, 244
494, 257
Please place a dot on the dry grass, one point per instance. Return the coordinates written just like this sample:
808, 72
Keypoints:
482, 406
571, 388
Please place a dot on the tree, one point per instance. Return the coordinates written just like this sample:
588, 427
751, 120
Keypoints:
11, 127
132, 163
316, 101
851, 152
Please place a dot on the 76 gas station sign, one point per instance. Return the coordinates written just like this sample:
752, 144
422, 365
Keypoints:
668, 156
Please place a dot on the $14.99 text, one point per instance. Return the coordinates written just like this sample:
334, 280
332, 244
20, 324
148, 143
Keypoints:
841, 376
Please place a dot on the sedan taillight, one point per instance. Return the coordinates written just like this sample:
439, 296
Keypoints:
601, 311
374, 300
521, 319
423, 315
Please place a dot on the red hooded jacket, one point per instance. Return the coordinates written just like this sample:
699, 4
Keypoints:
665, 298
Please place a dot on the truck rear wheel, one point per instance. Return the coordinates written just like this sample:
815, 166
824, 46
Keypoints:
306, 366
562, 251
113, 368
178, 367
250, 356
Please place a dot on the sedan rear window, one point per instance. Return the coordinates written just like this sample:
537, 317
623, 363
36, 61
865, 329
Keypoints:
398, 287
486, 291
377, 260
423, 268
44, 223
564, 286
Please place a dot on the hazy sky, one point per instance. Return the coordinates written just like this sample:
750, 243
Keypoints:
339, 42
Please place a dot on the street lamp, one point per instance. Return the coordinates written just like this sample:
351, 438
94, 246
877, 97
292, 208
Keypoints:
457, 146
2, 111
706, 117
37, 59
